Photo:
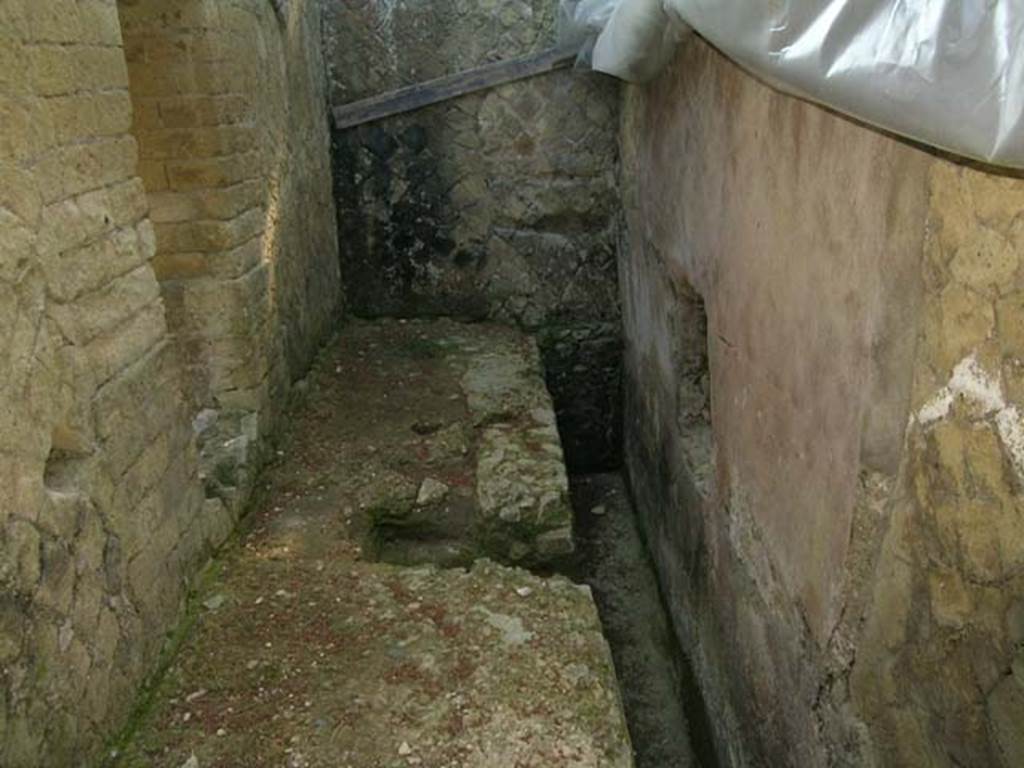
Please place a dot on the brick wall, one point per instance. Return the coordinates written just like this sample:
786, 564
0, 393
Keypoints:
228, 120
230, 114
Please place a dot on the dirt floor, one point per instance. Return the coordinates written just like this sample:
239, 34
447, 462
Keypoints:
304, 650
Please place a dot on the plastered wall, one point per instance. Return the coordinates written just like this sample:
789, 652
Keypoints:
839, 537
138, 307
498, 205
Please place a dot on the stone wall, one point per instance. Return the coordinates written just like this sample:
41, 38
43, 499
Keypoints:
103, 514
101, 511
499, 205
823, 424
230, 112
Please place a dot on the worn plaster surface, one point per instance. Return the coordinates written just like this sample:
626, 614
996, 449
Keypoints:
307, 652
838, 535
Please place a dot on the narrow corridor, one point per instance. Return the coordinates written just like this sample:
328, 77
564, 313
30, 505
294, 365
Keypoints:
308, 650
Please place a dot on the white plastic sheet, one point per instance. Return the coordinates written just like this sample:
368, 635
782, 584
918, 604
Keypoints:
635, 47
949, 73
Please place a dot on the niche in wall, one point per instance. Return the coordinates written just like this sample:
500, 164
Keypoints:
693, 394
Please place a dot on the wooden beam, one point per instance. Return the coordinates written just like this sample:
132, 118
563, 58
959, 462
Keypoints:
450, 87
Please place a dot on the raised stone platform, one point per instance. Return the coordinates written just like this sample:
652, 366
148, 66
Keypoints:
416, 442
452, 452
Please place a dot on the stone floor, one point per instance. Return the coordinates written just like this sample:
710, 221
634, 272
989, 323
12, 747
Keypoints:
414, 443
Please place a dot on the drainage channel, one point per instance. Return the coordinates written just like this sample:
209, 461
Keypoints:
664, 710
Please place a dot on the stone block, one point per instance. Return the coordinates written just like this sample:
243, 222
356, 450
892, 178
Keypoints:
992, 200
135, 526
100, 68
161, 443
192, 111
55, 590
99, 23
186, 175
154, 175
951, 602
14, 22
61, 510
145, 116
190, 18
21, 199
91, 267
206, 204
187, 266
238, 363
53, 23
1015, 622
72, 223
23, 554
99, 698
255, 397
132, 409
228, 77
149, 82
523, 493
975, 510
16, 77
961, 322
1005, 709
1010, 324
101, 311
172, 207
78, 221
210, 236
79, 168
217, 522
113, 113
51, 70
27, 128
89, 582
987, 260
226, 308
153, 578
197, 142
78, 115
504, 382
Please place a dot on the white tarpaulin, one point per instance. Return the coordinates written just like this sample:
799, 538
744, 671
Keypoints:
949, 73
